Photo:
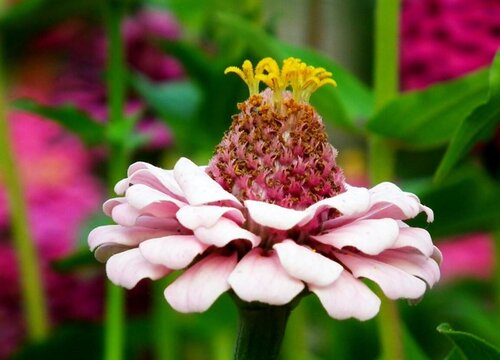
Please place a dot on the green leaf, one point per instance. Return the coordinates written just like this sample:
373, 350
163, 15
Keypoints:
89, 130
466, 202
469, 346
340, 106
482, 119
176, 101
428, 118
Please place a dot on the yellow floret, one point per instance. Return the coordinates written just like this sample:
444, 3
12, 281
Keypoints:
301, 78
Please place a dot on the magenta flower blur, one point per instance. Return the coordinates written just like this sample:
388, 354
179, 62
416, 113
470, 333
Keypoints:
443, 39
271, 216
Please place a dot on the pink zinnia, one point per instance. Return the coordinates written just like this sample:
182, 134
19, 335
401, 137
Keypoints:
270, 217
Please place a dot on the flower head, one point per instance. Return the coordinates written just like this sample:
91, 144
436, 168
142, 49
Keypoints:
270, 217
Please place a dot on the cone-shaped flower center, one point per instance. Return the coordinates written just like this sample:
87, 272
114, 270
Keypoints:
277, 149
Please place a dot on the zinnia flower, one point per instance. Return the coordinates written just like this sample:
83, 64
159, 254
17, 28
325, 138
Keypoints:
270, 217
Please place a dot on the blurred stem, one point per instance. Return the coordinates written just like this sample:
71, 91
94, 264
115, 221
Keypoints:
34, 302
118, 160
164, 333
381, 154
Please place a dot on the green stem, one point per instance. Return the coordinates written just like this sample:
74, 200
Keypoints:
165, 340
261, 331
381, 154
118, 159
32, 290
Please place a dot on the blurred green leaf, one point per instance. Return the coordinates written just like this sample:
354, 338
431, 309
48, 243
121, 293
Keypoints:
467, 202
340, 107
89, 130
428, 118
412, 349
482, 119
176, 101
469, 346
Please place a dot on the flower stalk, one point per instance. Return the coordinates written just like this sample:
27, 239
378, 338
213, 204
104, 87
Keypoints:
381, 153
261, 331
34, 302
113, 14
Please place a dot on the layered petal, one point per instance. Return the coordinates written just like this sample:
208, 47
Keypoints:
129, 267
117, 234
198, 288
370, 236
223, 232
304, 264
193, 217
394, 282
415, 238
174, 251
262, 278
348, 297
198, 187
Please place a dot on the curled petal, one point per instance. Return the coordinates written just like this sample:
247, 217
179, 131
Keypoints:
193, 217
125, 215
410, 237
348, 297
158, 179
198, 187
263, 278
223, 232
198, 288
412, 263
129, 267
370, 236
117, 234
394, 282
174, 251
110, 204
388, 200
149, 200
353, 201
307, 265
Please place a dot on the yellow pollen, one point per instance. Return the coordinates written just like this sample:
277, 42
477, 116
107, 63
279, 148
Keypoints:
301, 78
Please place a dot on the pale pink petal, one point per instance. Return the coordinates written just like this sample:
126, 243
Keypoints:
348, 297
125, 215
198, 288
142, 197
129, 267
274, 216
159, 179
117, 234
412, 263
121, 186
193, 217
437, 256
171, 225
110, 204
263, 278
369, 236
388, 200
351, 202
198, 187
174, 251
223, 232
304, 264
416, 238
395, 283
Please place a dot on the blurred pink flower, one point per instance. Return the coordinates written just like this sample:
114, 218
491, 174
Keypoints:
81, 80
468, 256
443, 39
270, 217
56, 173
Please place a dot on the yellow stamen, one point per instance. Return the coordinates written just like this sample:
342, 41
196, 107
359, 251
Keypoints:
303, 79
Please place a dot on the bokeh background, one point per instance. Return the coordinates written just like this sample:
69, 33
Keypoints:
177, 102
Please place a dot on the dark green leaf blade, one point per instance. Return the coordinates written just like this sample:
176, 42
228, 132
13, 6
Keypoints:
89, 130
428, 118
482, 119
469, 345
